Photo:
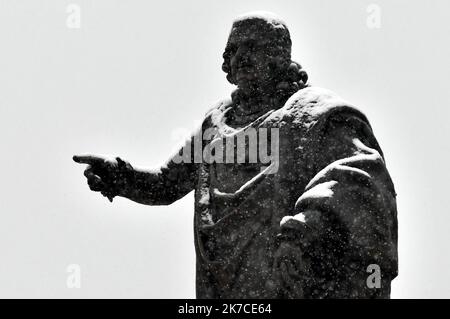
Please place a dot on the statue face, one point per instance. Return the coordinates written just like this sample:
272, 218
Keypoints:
253, 52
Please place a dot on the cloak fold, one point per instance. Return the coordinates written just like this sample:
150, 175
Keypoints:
312, 227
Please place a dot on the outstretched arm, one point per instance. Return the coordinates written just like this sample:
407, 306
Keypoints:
115, 177
163, 186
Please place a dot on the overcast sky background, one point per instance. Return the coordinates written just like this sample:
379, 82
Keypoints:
138, 72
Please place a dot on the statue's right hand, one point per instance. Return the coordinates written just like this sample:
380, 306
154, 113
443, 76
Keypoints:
102, 173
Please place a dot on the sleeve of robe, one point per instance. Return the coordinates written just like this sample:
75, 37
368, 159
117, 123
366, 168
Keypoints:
345, 221
170, 182
178, 176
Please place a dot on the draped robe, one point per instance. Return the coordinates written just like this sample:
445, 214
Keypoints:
310, 228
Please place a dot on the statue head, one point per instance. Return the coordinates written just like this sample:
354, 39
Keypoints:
257, 56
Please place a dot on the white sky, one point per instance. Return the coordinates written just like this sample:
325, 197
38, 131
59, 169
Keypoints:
137, 72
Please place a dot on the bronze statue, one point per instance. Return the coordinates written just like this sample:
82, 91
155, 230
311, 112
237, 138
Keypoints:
309, 222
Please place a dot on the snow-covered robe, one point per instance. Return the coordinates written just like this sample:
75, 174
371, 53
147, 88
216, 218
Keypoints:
317, 227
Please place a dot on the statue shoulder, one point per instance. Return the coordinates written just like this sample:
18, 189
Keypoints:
219, 107
313, 105
215, 113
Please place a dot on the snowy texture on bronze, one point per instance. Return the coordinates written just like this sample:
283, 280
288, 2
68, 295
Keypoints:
306, 225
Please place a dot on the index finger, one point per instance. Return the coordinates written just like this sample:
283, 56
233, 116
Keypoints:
88, 159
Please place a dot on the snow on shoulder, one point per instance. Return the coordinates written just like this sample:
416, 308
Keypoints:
307, 105
269, 17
